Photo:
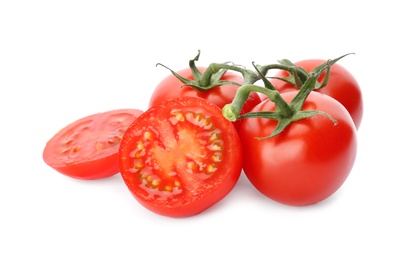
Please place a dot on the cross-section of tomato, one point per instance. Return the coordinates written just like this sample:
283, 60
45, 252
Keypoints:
180, 157
88, 148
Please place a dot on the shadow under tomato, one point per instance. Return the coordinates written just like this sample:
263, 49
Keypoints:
243, 194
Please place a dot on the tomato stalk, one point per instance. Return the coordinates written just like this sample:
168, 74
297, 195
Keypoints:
211, 77
249, 76
285, 113
204, 81
298, 75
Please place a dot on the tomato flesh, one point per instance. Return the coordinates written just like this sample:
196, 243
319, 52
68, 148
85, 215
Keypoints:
180, 157
308, 161
88, 148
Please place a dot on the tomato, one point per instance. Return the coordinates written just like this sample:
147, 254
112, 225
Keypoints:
171, 87
308, 161
88, 148
341, 85
180, 157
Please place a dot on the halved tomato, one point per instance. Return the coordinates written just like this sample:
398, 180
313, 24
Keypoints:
180, 157
88, 148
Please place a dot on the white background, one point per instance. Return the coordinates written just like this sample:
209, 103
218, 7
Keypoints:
62, 60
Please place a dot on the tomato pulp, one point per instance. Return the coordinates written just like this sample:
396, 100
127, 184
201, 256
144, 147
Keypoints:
88, 148
180, 157
308, 161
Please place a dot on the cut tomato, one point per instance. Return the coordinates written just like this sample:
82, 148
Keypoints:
180, 157
88, 148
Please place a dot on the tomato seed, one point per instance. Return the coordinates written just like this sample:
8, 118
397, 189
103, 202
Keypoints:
217, 157
214, 147
138, 164
99, 146
211, 168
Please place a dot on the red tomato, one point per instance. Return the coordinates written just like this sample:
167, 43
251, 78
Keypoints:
341, 85
308, 161
171, 87
180, 157
88, 148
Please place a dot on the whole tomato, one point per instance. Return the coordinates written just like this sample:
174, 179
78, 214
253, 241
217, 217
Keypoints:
341, 85
309, 160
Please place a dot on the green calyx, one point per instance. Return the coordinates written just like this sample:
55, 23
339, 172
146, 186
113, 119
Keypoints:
298, 75
212, 76
285, 113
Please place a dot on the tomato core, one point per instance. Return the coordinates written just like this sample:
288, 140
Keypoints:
181, 153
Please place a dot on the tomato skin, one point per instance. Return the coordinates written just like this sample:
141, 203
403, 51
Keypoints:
308, 161
162, 153
171, 87
87, 148
341, 85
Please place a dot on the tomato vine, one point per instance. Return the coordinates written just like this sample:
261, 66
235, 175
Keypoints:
285, 113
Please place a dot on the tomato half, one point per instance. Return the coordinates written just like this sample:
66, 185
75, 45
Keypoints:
308, 161
341, 85
171, 87
88, 148
180, 157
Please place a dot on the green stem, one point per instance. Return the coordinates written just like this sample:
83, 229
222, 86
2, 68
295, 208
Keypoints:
310, 84
284, 113
212, 76
211, 70
232, 111
249, 76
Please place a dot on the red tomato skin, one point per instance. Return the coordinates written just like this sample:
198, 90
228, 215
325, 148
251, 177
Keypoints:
342, 86
171, 87
209, 191
308, 161
93, 164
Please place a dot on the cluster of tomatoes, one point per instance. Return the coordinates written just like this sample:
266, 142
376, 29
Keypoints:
293, 136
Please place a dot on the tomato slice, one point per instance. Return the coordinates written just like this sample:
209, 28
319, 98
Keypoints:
88, 148
180, 157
